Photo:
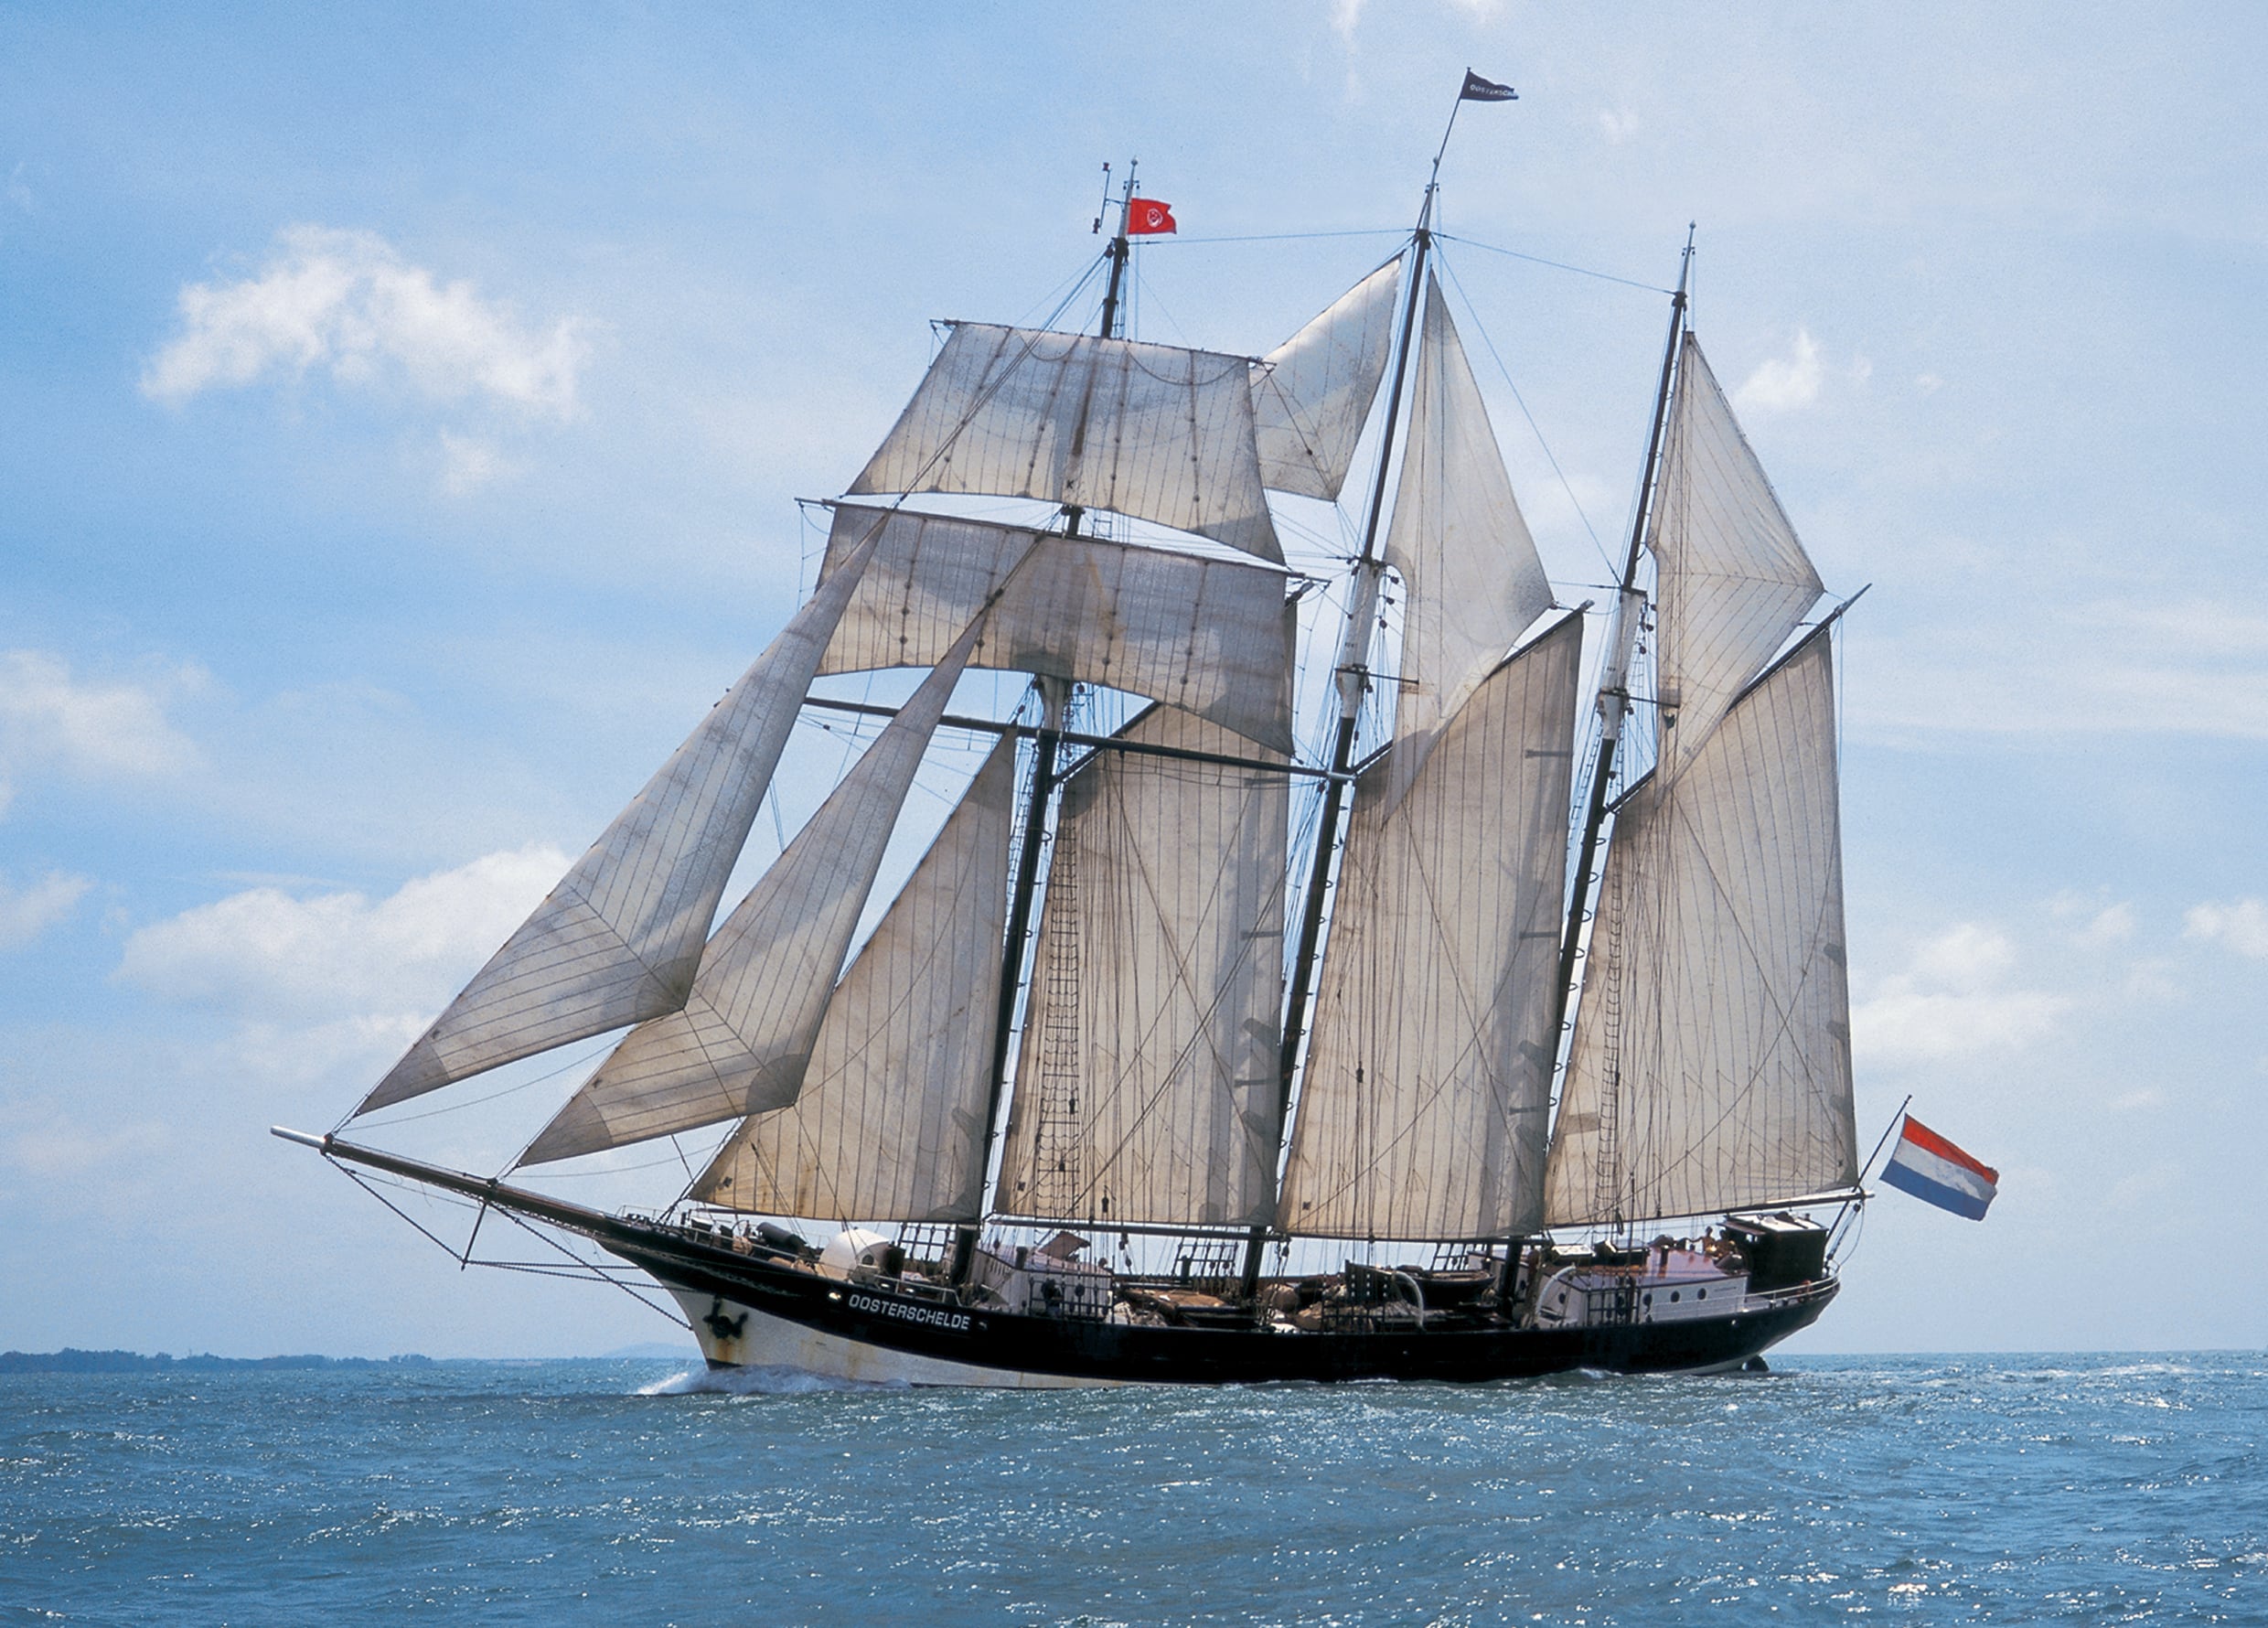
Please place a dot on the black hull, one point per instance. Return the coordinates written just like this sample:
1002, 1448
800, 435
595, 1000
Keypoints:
938, 1341
1088, 1351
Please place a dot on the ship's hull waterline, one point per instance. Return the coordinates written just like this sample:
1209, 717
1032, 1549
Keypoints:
752, 1315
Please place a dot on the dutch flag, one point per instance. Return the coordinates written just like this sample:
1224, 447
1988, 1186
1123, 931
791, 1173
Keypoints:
1934, 1171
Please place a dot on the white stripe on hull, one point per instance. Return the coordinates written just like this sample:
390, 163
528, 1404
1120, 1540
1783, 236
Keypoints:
763, 1341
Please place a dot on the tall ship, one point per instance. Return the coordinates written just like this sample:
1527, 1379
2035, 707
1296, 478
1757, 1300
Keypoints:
1479, 1022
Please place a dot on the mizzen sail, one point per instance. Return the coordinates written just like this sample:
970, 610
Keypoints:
1311, 393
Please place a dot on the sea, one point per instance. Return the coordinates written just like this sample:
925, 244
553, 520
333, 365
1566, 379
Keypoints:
1907, 1490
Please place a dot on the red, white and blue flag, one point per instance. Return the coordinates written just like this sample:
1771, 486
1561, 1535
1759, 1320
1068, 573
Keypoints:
1934, 1171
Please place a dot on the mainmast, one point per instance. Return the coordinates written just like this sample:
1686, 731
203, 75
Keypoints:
1614, 699
1047, 745
1352, 675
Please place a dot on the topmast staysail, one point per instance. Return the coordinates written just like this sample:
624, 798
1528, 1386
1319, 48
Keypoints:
743, 1038
1474, 581
1208, 636
619, 940
1156, 432
891, 1122
1429, 1075
1312, 394
1145, 1090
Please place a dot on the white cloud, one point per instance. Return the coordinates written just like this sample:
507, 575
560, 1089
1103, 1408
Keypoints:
349, 302
469, 463
28, 911
1618, 124
2109, 925
1784, 385
2241, 925
62, 1147
1950, 1002
341, 957
100, 727
1344, 16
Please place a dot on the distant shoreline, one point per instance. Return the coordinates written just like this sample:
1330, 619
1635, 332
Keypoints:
71, 1360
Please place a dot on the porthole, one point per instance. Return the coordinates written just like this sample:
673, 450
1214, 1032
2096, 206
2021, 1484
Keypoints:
1648, 1301
1672, 1295
1701, 1294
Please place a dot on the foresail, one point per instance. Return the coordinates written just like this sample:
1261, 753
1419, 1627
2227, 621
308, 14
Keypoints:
1473, 581
890, 1125
1711, 1066
1428, 1073
1152, 430
1311, 393
1733, 581
618, 940
1209, 636
1146, 1088
742, 1040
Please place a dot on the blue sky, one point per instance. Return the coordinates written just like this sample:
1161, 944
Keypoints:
402, 420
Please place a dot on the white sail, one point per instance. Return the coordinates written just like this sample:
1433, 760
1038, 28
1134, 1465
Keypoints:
1733, 579
1429, 1075
619, 940
1473, 581
1209, 636
1152, 430
742, 1040
1711, 1065
1311, 393
1146, 1089
890, 1124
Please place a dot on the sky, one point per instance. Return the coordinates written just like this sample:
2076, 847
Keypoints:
402, 419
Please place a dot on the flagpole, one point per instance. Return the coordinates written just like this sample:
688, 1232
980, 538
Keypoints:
1835, 1227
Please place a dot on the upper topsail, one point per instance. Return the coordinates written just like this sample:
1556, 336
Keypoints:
618, 940
1151, 430
1311, 393
744, 1037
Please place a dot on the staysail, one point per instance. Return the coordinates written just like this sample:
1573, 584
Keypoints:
1711, 1065
1208, 636
1428, 1074
1311, 393
1152, 430
1473, 580
1146, 1087
890, 1125
743, 1038
619, 940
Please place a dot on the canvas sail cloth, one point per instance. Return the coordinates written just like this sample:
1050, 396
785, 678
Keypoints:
1712, 1060
1145, 1085
1209, 636
890, 1125
1473, 581
743, 1039
1152, 430
619, 940
1733, 581
1311, 393
1428, 1074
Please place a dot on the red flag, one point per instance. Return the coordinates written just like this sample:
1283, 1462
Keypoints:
1146, 215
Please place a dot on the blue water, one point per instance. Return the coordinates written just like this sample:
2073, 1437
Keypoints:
2093, 1489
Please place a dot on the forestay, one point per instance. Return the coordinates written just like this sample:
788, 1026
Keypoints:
1711, 1065
1311, 393
1428, 1073
1210, 636
743, 1039
619, 940
891, 1125
1733, 579
1152, 430
1473, 580
1145, 1085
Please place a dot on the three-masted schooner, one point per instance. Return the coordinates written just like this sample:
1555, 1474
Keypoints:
1111, 1044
